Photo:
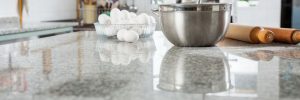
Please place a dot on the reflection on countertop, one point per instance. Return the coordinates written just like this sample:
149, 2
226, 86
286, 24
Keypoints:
85, 66
190, 70
30, 27
122, 53
10, 25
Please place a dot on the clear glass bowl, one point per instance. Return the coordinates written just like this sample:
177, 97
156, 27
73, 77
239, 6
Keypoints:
143, 30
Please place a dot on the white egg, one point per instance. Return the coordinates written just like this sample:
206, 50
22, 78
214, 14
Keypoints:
138, 29
143, 19
104, 19
125, 15
114, 20
132, 15
115, 12
114, 15
122, 21
121, 16
133, 21
120, 37
131, 36
132, 18
120, 34
110, 31
125, 11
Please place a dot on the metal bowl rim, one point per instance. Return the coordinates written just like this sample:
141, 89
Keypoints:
194, 5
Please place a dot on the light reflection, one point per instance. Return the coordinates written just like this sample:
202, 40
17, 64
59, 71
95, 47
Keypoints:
47, 62
13, 81
24, 48
268, 55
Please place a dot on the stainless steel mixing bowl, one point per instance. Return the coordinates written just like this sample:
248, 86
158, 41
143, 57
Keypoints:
194, 25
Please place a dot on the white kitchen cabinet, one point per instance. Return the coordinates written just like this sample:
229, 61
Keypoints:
8, 8
41, 10
266, 13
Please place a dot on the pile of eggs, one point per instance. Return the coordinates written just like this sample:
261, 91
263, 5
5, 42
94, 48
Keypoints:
123, 17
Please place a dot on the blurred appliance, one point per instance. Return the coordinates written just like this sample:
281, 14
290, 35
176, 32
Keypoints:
290, 13
132, 7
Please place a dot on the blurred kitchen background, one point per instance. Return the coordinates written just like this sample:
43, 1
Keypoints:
275, 13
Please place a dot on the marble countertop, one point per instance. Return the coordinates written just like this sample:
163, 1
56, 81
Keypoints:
84, 66
14, 27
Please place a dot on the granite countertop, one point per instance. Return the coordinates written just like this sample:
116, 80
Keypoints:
84, 66
11, 26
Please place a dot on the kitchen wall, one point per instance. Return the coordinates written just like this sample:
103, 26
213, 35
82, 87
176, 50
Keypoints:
267, 13
8, 8
41, 10
144, 6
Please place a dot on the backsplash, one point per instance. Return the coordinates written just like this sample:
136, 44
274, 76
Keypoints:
144, 6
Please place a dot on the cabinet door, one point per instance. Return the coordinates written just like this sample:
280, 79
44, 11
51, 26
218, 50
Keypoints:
264, 13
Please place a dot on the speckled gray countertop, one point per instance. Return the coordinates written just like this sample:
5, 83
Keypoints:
11, 26
84, 66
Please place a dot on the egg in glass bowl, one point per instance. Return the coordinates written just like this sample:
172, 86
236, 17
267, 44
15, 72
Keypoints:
125, 26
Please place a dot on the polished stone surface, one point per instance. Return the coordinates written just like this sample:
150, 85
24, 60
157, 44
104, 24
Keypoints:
84, 66
12, 26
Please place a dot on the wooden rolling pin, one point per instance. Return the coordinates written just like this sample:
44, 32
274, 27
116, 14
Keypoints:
286, 35
251, 34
